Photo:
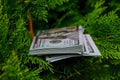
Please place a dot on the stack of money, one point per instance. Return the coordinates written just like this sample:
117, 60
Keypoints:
63, 43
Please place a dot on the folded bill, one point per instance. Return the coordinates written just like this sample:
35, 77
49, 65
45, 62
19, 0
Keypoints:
63, 43
90, 49
58, 41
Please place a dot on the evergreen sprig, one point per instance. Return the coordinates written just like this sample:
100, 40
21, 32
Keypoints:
99, 18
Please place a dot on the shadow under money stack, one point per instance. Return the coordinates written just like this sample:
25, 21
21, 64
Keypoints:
62, 43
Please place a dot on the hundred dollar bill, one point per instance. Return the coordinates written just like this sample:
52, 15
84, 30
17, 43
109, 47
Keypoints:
90, 49
62, 40
58, 38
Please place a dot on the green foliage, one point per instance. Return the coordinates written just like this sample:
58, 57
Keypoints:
100, 18
39, 8
3, 23
15, 36
66, 14
53, 3
105, 30
13, 69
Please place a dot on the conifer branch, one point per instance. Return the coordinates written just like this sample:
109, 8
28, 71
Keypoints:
31, 26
